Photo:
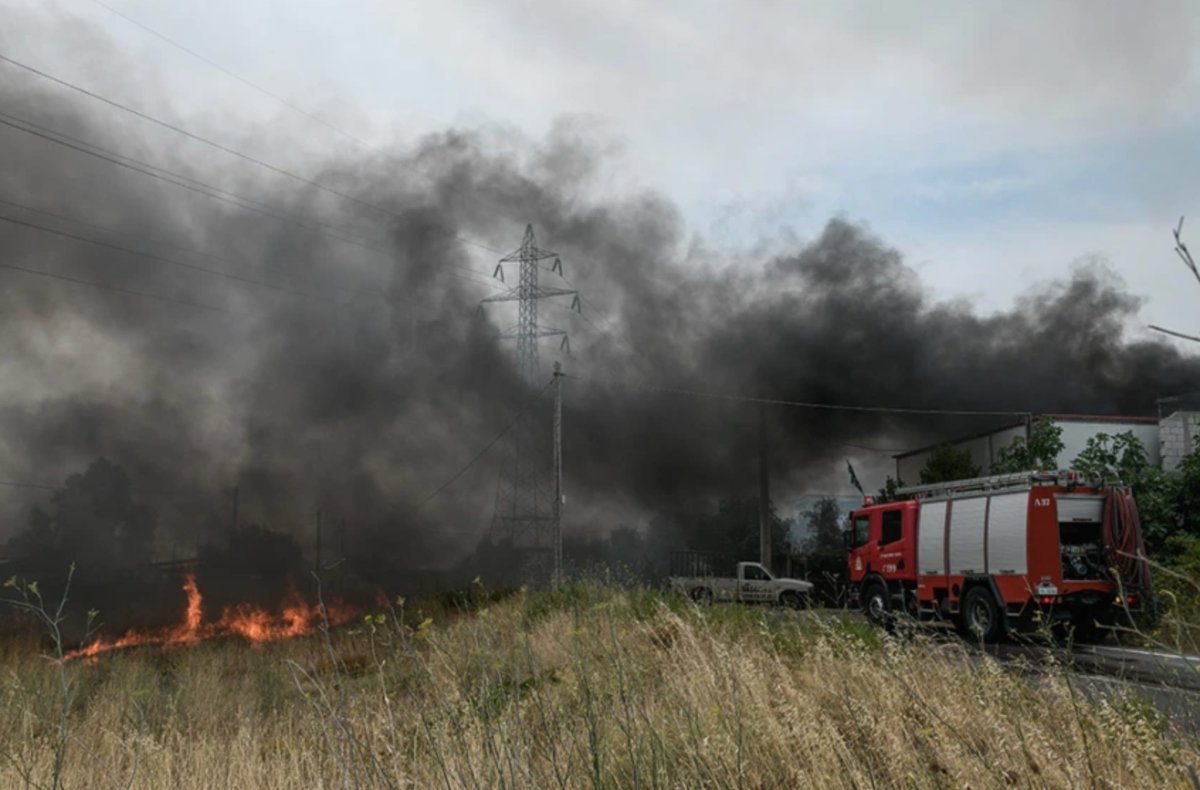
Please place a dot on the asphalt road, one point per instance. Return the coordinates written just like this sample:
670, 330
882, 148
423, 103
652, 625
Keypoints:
1168, 680
1161, 667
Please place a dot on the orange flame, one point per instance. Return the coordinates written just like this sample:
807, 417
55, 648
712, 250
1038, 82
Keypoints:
255, 625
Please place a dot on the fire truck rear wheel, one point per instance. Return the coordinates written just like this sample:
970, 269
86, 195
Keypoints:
877, 605
981, 618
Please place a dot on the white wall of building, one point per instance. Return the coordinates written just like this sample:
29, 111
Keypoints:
983, 451
1075, 435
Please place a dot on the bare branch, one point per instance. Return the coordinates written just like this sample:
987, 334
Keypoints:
1175, 334
1183, 252
1185, 255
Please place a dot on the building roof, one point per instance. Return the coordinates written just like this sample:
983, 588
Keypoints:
1109, 418
1118, 418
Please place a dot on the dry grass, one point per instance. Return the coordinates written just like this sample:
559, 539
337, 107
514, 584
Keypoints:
588, 686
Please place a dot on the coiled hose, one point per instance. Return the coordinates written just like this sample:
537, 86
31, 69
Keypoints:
1126, 547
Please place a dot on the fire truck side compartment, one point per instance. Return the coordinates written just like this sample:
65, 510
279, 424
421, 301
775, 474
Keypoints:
931, 539
966, 536
1008, 533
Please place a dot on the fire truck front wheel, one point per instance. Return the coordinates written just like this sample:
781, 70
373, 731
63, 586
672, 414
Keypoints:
876, 604
981, 617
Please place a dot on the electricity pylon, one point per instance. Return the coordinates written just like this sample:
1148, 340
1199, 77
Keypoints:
526, 513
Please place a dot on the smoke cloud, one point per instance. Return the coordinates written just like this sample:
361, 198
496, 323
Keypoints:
363, 378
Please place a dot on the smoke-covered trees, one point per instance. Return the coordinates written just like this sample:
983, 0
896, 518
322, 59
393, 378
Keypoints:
1040, 451
824, 526
729, 529
824, 551
94, 521
949, 463
256, 549
733, 529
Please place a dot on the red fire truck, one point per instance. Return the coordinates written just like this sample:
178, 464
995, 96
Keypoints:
1001, 553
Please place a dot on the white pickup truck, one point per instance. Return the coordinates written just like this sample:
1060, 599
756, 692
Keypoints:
753, 584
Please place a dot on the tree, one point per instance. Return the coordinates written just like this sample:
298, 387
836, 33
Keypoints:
949, 463
1169, 505
1168, 502
94, 521
825, 553
888, 492
824, 526
733, 529
1040, 451
1121, 458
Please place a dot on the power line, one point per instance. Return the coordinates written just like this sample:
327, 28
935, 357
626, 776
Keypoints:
491, 443
805, 404
192, 135
237, 77
233, 152
170, 261
208, 190
144, 238
370, 293
155, 257
119, 289
230, 73
105, 229
224, 148
582, 301
19, 484
170, 177
883, 450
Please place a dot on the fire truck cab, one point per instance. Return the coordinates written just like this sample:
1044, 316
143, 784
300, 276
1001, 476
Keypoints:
999, 553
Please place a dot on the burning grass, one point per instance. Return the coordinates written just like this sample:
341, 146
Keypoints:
584, 686
254, 624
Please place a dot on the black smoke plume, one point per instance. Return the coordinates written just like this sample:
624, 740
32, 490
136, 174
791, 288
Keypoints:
361, 378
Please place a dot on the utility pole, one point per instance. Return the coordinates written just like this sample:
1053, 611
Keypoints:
764, 492
521, 518
558, 473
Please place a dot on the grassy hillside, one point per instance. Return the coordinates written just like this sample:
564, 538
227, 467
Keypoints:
587, 686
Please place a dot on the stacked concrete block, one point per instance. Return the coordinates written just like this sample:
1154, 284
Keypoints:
1179, 434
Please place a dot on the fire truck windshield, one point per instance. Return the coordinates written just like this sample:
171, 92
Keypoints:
858, 531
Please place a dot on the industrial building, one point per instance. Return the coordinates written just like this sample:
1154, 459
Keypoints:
1167, 439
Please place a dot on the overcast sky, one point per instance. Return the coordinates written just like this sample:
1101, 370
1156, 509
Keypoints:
993, 142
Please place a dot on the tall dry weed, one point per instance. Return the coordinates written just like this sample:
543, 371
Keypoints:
591, 687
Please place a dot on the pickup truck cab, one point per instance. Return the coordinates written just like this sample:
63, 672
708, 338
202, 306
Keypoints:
752, 584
